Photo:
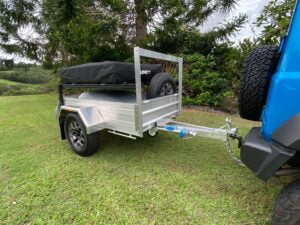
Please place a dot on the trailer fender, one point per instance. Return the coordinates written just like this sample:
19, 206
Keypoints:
90, 116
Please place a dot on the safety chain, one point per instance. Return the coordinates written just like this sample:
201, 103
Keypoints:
231, 153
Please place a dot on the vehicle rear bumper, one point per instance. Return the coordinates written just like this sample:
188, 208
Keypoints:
262, 157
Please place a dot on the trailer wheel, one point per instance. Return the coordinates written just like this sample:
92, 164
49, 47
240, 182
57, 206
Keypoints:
255, 79
161, 84
153, 132
82, 143
286, 210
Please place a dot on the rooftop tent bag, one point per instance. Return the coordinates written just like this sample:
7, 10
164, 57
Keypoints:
107, 72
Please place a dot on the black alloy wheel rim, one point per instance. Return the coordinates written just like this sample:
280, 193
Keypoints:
76, 135
167, 89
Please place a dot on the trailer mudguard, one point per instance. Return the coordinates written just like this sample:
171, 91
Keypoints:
90, 116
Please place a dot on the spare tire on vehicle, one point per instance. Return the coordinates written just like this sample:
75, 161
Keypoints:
161, 84
255, 80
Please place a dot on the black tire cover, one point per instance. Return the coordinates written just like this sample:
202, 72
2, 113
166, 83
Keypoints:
107, 72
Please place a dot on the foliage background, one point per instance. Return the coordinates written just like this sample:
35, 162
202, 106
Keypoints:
70, 32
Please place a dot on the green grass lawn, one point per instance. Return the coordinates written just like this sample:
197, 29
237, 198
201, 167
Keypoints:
8, 82
161, 180
12, 83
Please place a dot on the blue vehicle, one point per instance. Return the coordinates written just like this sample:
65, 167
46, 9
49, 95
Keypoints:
270, 92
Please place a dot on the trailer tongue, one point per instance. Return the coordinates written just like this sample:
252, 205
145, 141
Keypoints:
225, 133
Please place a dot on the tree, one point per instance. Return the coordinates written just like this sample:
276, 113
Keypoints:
177, 38
14, 16
142, 20
74, 31
80, 31
166, 13
6, 64
275, 20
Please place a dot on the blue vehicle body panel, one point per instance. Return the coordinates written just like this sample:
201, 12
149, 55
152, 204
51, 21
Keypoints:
283, 100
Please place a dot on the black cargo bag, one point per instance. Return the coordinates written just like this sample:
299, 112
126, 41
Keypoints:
107, 72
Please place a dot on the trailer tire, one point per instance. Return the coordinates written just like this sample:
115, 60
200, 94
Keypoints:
161, 84
81, 143
153, 132
286, 209
255, 80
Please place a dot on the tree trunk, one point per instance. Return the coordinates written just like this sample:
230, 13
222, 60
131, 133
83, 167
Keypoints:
141, 21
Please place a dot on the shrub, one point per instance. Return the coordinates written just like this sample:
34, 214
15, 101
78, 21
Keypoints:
31, 75
202, 83
9, 90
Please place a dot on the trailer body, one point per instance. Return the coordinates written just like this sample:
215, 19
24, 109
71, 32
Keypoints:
119, 112
128, 113
123, 113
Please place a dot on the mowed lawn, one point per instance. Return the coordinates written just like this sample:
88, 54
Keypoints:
14, 83
161, 180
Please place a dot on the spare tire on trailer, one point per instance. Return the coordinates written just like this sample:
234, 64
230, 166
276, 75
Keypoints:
255, 80
161, 84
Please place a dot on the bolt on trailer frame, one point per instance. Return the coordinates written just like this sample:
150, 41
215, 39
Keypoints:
130, 116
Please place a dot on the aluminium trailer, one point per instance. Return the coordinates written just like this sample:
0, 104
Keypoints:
127, 113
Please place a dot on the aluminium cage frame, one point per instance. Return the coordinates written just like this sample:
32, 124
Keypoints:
138, 53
